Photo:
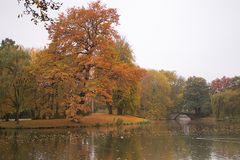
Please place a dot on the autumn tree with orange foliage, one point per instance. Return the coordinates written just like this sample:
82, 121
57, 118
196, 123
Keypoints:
89, 36
54, 83
126, 94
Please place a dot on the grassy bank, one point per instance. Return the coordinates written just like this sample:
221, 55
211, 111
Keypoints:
95, 119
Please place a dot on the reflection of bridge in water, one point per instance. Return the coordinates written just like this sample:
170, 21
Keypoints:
176, 116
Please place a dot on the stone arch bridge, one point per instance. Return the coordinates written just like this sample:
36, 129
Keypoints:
192, 116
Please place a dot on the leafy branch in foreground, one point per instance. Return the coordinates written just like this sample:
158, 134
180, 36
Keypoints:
39, 9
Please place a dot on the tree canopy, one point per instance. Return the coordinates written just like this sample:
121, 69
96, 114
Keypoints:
14, 77
196, 96
103, 59
225, 98
155, 95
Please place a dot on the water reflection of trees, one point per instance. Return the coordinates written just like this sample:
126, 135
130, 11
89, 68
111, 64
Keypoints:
159, 141
24, 145
123, 145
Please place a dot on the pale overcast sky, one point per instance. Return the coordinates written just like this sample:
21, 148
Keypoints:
191, 37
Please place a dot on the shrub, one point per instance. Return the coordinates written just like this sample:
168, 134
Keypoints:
118, 121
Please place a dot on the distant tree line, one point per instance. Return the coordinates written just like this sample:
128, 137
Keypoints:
226, 98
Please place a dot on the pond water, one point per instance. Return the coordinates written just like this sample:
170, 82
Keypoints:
163, 140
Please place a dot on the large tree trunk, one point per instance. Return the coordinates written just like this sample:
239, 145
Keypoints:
198, 111
52, 106
110, 111
86, 76
16, 102
119, 111
6, 117
33, 115
17, 115
56, 114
